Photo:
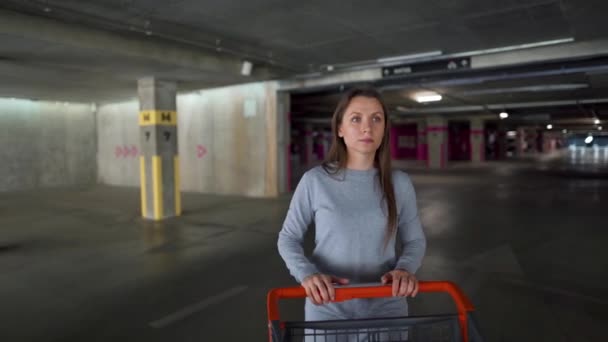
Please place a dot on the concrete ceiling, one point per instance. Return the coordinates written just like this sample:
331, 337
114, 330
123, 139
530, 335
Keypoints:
85, 50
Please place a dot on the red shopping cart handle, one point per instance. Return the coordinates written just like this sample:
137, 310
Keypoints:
463, 303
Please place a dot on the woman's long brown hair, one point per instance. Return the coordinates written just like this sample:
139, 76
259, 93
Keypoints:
337, 157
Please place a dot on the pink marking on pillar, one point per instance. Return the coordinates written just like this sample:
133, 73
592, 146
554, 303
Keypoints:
422, 147
393, 142
442, 156
423, 150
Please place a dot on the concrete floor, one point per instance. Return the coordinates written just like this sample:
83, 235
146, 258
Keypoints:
526, 242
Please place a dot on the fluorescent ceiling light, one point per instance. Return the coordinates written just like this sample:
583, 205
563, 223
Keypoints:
504, 115
246, 68
526, 89
515, 47
427, 96
511, 134
438, 55
381, 61
411, 56
549, 126
597, 121
599, 128
589, 139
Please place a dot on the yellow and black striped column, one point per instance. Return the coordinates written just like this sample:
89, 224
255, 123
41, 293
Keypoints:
159, 161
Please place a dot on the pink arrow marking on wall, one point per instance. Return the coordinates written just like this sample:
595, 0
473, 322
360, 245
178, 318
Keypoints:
118, 152
201, 151
134, 151
126, 151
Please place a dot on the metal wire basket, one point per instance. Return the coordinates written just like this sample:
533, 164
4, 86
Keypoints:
435, 328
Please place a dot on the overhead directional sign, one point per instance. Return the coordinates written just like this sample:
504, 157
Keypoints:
442, 65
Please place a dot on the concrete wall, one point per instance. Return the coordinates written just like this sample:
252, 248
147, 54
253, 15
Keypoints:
227, 141
46, 144
118, 144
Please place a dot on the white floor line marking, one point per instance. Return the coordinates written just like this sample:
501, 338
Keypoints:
555, 290
194, 308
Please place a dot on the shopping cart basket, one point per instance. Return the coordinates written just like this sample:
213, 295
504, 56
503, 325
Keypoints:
436, 328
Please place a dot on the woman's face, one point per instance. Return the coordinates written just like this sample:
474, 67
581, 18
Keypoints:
362, 126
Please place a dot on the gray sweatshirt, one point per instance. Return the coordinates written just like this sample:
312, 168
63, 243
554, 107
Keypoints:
350, 226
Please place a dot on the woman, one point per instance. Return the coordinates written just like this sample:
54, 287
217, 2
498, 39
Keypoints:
359, 206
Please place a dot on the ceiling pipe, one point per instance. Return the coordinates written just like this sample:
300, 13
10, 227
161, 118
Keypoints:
499, 106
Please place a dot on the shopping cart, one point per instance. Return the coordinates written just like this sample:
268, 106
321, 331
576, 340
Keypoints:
436, 328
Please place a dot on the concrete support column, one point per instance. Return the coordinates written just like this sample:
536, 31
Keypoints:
437, 139
283, 142
327, 138
159, 161
308, 145
478, 151
422, 145
521, 141
502, 141
550, 141
394, 142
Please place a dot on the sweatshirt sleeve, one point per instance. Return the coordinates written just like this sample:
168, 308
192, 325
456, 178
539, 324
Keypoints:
299, 216
409, 227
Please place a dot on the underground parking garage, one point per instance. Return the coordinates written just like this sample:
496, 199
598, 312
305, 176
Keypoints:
152, 150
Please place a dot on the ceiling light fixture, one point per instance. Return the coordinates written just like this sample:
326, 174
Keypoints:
549, 126
596, 121
402, 58
504, 115
589, 139
439, 55
428, 98
246, 68
423, 98
514, 47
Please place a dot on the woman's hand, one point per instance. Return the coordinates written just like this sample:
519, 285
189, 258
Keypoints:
320, 289
404, 283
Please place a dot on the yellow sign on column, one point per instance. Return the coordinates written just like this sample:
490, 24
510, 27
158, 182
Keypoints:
158, 117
